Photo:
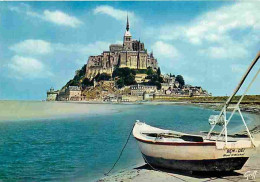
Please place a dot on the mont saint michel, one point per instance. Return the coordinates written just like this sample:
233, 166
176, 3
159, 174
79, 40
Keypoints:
127, 72
78, 77
131, 54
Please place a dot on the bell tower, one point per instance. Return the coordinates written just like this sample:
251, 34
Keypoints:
127, 38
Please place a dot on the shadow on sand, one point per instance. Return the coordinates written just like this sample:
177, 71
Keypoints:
196, 174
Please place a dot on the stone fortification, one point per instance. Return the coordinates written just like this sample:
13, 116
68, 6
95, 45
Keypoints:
131, 54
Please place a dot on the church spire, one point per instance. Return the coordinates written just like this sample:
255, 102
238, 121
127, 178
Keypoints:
127, 23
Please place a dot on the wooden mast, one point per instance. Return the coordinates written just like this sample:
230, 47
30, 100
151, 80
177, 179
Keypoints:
223, 111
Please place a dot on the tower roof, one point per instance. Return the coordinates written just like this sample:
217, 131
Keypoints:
127, 24
127, 32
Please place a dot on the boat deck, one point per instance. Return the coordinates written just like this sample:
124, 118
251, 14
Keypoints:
182, 137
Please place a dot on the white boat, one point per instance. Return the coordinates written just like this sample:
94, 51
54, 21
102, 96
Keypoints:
211, 152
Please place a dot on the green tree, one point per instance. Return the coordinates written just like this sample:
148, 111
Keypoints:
120, 83
140, 71
86, 82
154, 78
172, 75
180, 79
149, 71
160, 79
126, 76
159, 71
122, 72
129, 79
158, 85
80, 74
102, 76
82, 71
72, 83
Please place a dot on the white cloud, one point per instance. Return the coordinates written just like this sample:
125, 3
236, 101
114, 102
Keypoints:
42, 47
217, 33
57, 17
118, 14
166, 50
32, 47
19, 9
26, 67
225, 52
15, 9
61, 18
213, 25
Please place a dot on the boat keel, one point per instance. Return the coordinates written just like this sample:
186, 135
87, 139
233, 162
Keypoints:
223, 164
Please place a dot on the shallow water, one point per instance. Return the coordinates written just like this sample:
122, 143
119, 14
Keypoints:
80, 146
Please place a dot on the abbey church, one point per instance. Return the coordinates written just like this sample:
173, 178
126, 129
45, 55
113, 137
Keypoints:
131, 54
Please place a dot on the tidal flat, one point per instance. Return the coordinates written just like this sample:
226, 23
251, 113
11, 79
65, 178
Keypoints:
56, 141
22, 110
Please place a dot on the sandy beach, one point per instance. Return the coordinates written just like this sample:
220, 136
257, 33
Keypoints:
17, 110
145, 173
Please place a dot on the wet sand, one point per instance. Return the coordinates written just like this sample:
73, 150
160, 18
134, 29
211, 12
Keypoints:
145, 173
22, 110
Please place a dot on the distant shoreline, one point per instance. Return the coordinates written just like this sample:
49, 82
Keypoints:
249, 107
253, 109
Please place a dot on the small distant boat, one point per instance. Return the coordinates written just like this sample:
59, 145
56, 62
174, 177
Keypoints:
208, 152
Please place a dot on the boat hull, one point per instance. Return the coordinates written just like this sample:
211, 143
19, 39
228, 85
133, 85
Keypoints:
224, 164
193, 157
187, 155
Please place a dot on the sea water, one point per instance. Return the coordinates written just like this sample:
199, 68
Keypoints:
80, 142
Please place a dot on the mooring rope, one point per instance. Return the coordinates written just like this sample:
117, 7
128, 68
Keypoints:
106, 174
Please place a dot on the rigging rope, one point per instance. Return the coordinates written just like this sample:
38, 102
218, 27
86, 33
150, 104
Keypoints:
106, 174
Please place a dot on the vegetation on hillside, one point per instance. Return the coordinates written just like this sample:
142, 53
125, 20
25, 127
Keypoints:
78, 78
102, 76
155, 77
126, 76
123, 77
180, 79
87, 82
172, 75
148, 71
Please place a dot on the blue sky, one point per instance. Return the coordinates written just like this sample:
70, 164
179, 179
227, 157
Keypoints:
43, 43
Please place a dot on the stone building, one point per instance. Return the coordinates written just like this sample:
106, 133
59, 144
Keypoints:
169, 83
73, 93
141, 77
52, 95
106, 83
169, 79
139, 90
131, 54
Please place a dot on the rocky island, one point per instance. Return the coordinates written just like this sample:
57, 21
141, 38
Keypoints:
125, 73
